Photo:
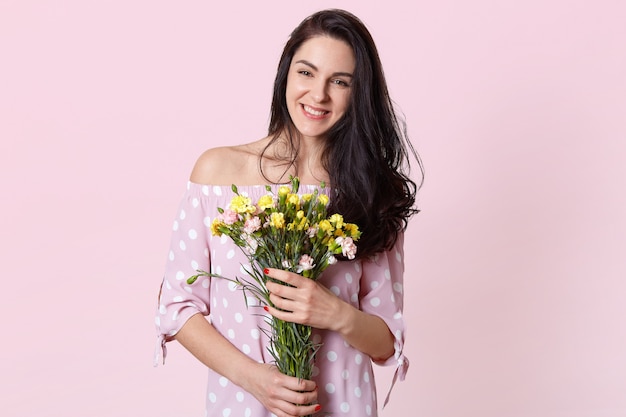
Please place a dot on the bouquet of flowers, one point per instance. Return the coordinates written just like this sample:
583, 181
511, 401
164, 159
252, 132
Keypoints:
291, 232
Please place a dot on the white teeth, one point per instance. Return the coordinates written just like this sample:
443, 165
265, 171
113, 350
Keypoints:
314, 112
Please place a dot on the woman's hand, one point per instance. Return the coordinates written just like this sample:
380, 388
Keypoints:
283, 395
305, 301
310, 303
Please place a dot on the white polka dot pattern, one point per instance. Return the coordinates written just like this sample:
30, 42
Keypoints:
374, 286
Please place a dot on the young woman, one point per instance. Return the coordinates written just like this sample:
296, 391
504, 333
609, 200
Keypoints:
331, 120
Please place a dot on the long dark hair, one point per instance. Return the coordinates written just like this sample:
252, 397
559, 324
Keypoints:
366, 153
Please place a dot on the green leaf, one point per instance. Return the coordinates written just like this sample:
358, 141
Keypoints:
295, 184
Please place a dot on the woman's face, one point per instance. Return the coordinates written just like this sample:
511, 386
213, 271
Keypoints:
318, 85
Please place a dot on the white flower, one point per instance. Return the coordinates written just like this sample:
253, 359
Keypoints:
348, 248
306, 263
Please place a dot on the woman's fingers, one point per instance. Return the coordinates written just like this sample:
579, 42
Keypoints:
302, 300
285, 396
287, 277
291, 410
300, 397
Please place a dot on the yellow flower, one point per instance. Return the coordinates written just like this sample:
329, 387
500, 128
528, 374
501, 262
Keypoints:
265, 202
242, 204
352, 230
294, 200
337, 220
325, 226
303, 223
323, 199
215, 227
306, 197
283, 190
277, 220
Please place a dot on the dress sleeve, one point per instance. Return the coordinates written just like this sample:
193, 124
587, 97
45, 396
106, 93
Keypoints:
189, 251
382, 294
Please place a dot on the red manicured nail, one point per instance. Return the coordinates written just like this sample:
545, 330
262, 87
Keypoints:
318, 407
266, 271
266, 308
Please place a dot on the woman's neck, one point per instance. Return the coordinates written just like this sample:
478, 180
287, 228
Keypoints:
302, 159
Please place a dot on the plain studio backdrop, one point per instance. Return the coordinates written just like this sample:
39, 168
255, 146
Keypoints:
515, 275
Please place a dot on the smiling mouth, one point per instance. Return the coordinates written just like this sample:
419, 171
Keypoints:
313, 112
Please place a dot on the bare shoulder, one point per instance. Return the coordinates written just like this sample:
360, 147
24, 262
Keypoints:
228, 165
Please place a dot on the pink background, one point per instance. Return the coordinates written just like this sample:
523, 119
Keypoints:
515, 284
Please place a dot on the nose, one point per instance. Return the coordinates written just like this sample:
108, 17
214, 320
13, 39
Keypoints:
319, 91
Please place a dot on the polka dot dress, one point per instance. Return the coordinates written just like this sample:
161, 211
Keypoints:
343, 373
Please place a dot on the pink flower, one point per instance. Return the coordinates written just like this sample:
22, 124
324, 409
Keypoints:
306, 262
348, 248
252, 225
229, 216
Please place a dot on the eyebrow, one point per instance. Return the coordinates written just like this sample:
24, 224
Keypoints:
335, 74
